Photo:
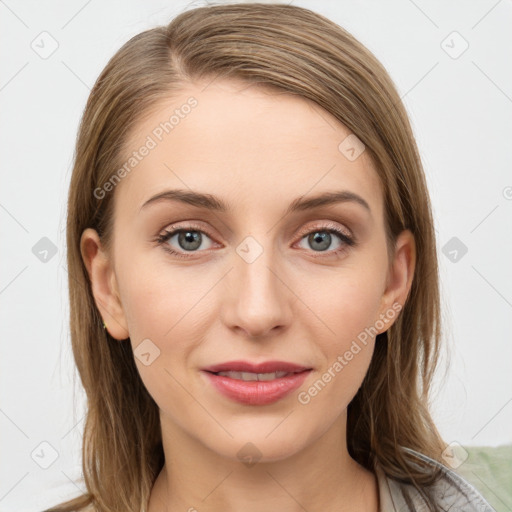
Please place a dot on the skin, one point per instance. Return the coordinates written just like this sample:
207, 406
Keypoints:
258, 151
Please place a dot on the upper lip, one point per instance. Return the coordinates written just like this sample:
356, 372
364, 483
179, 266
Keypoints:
264, 367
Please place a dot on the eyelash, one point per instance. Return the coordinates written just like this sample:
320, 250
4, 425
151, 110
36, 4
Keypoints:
328, 228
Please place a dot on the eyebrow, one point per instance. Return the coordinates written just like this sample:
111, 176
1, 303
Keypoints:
210, 202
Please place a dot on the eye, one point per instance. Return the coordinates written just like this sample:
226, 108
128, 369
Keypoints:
192, 239
321, 239
189, 239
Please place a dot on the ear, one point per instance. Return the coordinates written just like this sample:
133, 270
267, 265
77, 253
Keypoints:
399, 279
104, 285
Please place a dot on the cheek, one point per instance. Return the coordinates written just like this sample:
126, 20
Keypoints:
351, 311
158, 301
350, 306
158, 318
333, 387
346, 354
164, 311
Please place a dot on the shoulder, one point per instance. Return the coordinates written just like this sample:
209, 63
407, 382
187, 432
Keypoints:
450, 492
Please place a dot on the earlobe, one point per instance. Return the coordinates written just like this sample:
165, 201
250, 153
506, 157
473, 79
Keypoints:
103, 284
400, 276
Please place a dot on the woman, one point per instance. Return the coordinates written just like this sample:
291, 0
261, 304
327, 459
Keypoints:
229, 362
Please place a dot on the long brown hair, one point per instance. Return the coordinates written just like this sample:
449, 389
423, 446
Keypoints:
296, 51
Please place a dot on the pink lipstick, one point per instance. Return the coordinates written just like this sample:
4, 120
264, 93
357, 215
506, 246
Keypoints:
256, 384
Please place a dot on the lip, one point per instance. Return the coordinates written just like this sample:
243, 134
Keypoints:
264, 367
256, 392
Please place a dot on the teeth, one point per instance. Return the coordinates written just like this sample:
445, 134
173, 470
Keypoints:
248, 376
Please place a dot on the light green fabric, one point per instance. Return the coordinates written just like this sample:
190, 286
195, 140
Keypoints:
489, 470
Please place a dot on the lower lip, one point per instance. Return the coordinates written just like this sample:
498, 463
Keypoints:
257, 392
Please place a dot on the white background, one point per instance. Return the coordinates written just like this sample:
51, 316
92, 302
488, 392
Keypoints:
461, 111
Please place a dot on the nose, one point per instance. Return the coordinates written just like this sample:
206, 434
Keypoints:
258, 300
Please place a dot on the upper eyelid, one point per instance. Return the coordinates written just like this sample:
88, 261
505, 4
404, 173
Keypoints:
327, 226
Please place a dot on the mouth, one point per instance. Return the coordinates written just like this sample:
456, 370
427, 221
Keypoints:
257, 368
256, 384
250, 376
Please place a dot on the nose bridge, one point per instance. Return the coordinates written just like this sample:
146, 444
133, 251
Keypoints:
253, 268
261, 299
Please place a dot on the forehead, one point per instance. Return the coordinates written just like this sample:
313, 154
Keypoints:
254, 144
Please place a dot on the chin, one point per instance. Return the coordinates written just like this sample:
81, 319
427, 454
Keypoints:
258, 443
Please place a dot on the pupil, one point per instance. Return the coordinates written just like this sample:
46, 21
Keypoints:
318, 237
190, 237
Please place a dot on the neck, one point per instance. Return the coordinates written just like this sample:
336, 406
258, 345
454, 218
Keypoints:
322, 476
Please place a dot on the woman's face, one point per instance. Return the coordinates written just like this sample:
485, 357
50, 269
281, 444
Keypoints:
258, 273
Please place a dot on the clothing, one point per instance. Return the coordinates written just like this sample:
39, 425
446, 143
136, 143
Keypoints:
452, 492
